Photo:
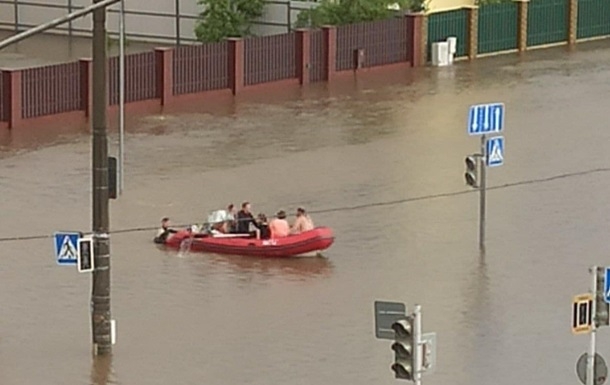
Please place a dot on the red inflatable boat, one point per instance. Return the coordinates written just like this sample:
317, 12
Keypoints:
307, 243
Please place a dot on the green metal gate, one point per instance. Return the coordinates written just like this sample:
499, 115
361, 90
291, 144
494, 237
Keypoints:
445, 24
498, 26
593, 18
547, 22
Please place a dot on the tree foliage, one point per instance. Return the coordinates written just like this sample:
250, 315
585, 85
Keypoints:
221, 19
339, 12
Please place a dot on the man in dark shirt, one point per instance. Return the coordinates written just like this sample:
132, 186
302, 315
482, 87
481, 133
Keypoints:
244, 218
262, 226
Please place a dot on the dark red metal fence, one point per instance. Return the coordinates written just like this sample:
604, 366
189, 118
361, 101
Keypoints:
50, 90
303, 56
140, 78
200, 68
2, 92
269, 58
383, 42
317, 55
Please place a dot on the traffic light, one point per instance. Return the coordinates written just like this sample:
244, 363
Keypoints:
601, 306
85, 261
471, 174
112, 178
404, 347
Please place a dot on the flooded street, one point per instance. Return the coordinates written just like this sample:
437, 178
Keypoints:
379, 160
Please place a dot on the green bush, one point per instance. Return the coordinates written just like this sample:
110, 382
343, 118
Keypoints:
339, 12
221, 19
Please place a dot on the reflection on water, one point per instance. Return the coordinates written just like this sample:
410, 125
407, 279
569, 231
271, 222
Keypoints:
298, 268
292, 268
101, 371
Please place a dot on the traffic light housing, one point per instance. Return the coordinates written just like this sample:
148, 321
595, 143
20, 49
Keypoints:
404, 348
602, 308
85, 262
471, 174
112, 178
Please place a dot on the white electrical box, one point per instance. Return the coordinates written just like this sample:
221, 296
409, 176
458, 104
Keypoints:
440, 54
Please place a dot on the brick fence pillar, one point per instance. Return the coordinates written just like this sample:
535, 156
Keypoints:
473, 32
164, 63
330, 57
11, 84
415, 32
424, 39
303, 52
86, 80
4, 99
573, 22
522, 25
236, 64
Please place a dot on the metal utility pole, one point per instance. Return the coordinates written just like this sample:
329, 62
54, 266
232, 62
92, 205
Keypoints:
591, 356
121, 97
100, 291
177, 6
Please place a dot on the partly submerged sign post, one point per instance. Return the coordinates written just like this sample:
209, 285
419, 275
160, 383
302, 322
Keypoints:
484, 119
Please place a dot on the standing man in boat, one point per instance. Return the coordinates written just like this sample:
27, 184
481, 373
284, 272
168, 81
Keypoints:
164, 232
302, 223
244, 218
231, 225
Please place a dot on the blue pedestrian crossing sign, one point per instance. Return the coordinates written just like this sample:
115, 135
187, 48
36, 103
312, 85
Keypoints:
607, 285
486, 118
494, 154
66, 251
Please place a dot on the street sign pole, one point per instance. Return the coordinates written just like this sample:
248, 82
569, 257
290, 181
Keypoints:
591, 356
484, 120
482, 190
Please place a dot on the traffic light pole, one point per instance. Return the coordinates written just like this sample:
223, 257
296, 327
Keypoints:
100, 290
482, 190
591, 356
418, 348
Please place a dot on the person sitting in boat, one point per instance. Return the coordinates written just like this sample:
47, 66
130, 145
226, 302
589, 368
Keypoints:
221, 221
262, 226
244, 218
302, 223
279, 226
164, 232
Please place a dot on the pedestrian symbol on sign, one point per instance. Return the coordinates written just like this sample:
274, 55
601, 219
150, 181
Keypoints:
66, 248
495, 151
